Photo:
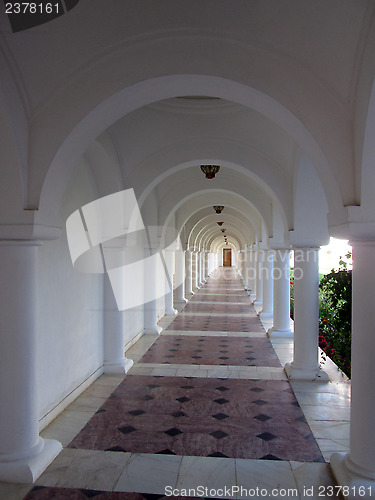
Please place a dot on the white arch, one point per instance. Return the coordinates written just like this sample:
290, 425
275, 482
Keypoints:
46, 193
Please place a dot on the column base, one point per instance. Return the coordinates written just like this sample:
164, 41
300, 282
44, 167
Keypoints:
276, 333
181, 301
171, 312
155, 330
180, 304
307, 374
358, 485
27, 470
265, 315
120, 367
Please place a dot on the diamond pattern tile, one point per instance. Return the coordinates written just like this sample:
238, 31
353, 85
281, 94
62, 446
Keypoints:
219, 434
221, 401
220, 416
258, 419
183, 399
136, 412
262, 417
127, 429
260, 402
173, 432
266, 436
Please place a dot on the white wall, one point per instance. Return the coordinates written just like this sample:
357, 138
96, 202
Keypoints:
69, 310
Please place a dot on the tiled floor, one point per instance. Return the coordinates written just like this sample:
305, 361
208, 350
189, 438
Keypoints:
207, 350
202, 417
177, 419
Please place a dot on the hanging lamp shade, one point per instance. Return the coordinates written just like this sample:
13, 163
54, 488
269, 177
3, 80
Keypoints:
220, 223
210, 170
218, 208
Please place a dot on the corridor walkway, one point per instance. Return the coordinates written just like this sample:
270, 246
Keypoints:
206, 403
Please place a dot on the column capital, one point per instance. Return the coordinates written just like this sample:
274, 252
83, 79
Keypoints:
362, 243
307, 248
29, 232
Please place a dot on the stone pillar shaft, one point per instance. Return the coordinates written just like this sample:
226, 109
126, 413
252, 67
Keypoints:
259, 277
252, 273
169, 256
305, 365
196, 271
150, 308
23, 454
189, 272
206, 265
267, 311
362, 436
180, 277
281, 298
114, 334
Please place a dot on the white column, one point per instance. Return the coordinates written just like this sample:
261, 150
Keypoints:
24, 455
357, 468
241, 266
281, 297
150, 308
169, 261
196, 271
180, 277
201, 268
206, 269
114, 334
267, 311
252, 273
305, 364
245, 268
189, 272
259, 278
212, 262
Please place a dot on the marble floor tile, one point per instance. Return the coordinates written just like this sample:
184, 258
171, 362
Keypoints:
212, 473
11, 491
312, 479
322, 399
330, 430
267, 475
149, 473
92, 469
334, 413
57, 469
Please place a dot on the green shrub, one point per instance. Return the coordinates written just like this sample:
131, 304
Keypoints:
292, 293
335, 316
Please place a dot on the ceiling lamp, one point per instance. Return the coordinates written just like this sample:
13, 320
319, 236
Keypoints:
223, 230
210, 170
220, 223
218, 208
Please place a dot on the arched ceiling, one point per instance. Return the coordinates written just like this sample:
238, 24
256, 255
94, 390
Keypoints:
282, 81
